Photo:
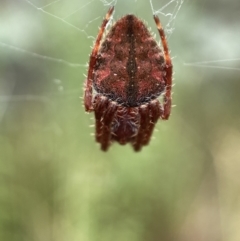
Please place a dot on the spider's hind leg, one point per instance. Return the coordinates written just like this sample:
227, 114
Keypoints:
143, 128
107, 125
156, 111
149, 115
100, 105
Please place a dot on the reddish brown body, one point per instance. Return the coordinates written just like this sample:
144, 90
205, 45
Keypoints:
128, 72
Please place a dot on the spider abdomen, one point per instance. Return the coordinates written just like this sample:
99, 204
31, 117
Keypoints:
130, 65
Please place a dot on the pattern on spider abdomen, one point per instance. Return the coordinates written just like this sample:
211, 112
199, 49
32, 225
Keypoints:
130, 65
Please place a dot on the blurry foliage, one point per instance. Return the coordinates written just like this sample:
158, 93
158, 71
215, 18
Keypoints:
55, 183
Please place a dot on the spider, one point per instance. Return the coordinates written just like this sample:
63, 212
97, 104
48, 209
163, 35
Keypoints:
127, 73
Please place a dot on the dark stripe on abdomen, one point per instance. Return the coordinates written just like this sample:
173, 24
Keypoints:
131, 88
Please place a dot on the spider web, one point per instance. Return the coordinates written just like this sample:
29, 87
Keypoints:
48, 42
175, 4
19, 39
22, 31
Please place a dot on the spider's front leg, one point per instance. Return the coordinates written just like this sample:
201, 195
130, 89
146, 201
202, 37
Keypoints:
168, 69
92, 63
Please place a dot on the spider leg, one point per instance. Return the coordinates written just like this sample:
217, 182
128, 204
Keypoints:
168, 69
156, 112
143, 128
100, 105
92, 63
107, 121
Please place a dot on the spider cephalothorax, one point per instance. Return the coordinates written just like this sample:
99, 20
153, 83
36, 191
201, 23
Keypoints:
127, 73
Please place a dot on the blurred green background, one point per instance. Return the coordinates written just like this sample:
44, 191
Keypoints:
56, 184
